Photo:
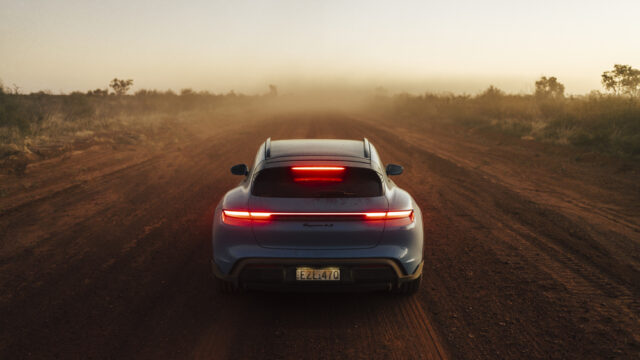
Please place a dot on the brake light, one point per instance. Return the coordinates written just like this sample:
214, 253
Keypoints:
375, 215
316, 174
263, 215
236, 214
390, 215
312, 179
318, 168
247, 215
400, 214
260, 215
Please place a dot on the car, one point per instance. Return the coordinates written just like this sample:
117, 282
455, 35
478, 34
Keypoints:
318, 215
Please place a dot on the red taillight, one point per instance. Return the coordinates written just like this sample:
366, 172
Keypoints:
263, 215
320, 179
318, 168
375, 215
260, 215
237, 214
400, 214
315, 174
390, 215
247, 215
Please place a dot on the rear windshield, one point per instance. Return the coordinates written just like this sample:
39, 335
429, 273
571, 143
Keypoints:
292, 182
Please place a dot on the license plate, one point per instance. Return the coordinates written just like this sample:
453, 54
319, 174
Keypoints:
323, 274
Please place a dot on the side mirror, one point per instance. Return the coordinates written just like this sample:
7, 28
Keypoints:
240, 169
393, 169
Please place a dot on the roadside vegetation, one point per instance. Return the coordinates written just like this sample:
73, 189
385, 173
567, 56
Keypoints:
39, 125
606, 122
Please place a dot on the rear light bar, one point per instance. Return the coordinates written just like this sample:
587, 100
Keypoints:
237, 214
400, 214
262, 215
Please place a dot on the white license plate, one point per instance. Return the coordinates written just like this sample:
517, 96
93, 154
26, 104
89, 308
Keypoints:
323, 274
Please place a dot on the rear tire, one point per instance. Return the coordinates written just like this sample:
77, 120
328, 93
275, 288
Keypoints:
409, 287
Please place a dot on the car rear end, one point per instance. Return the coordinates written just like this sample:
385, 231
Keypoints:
317, 225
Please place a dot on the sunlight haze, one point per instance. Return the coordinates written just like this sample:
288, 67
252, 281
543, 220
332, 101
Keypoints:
219, 46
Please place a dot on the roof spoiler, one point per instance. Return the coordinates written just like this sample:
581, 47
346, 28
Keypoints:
267, 148
367, 148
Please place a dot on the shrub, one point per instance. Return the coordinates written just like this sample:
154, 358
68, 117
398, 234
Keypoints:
77, 106
605, 123
15, 113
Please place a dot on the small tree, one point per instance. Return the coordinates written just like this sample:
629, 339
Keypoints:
187, 92
491, 92
98, 92
622, 80
273, 90
120, 87
490, 103
549, 88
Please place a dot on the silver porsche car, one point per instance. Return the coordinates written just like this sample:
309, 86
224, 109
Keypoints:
321, 215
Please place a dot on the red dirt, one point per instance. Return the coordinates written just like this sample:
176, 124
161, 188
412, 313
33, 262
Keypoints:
532, 251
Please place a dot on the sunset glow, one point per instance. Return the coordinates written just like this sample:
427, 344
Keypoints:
221, 46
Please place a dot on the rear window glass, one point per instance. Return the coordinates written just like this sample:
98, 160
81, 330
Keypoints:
295, 182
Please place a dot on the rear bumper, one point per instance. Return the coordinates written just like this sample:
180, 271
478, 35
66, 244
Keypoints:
279, 273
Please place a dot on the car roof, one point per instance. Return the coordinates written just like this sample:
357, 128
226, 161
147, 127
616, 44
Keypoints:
279, 152
317, 147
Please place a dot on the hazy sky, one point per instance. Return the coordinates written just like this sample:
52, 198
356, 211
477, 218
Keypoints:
459, 46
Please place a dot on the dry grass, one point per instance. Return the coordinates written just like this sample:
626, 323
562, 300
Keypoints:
604, 123
39, 126
39, 122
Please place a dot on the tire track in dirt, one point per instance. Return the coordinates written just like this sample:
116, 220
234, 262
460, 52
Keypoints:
69, 258
320, 326
120, 268
540, 244
128, 276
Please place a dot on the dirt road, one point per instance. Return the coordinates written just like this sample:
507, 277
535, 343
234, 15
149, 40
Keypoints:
530, 253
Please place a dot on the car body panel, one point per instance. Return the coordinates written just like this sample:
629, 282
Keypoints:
326, 241
318, 233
